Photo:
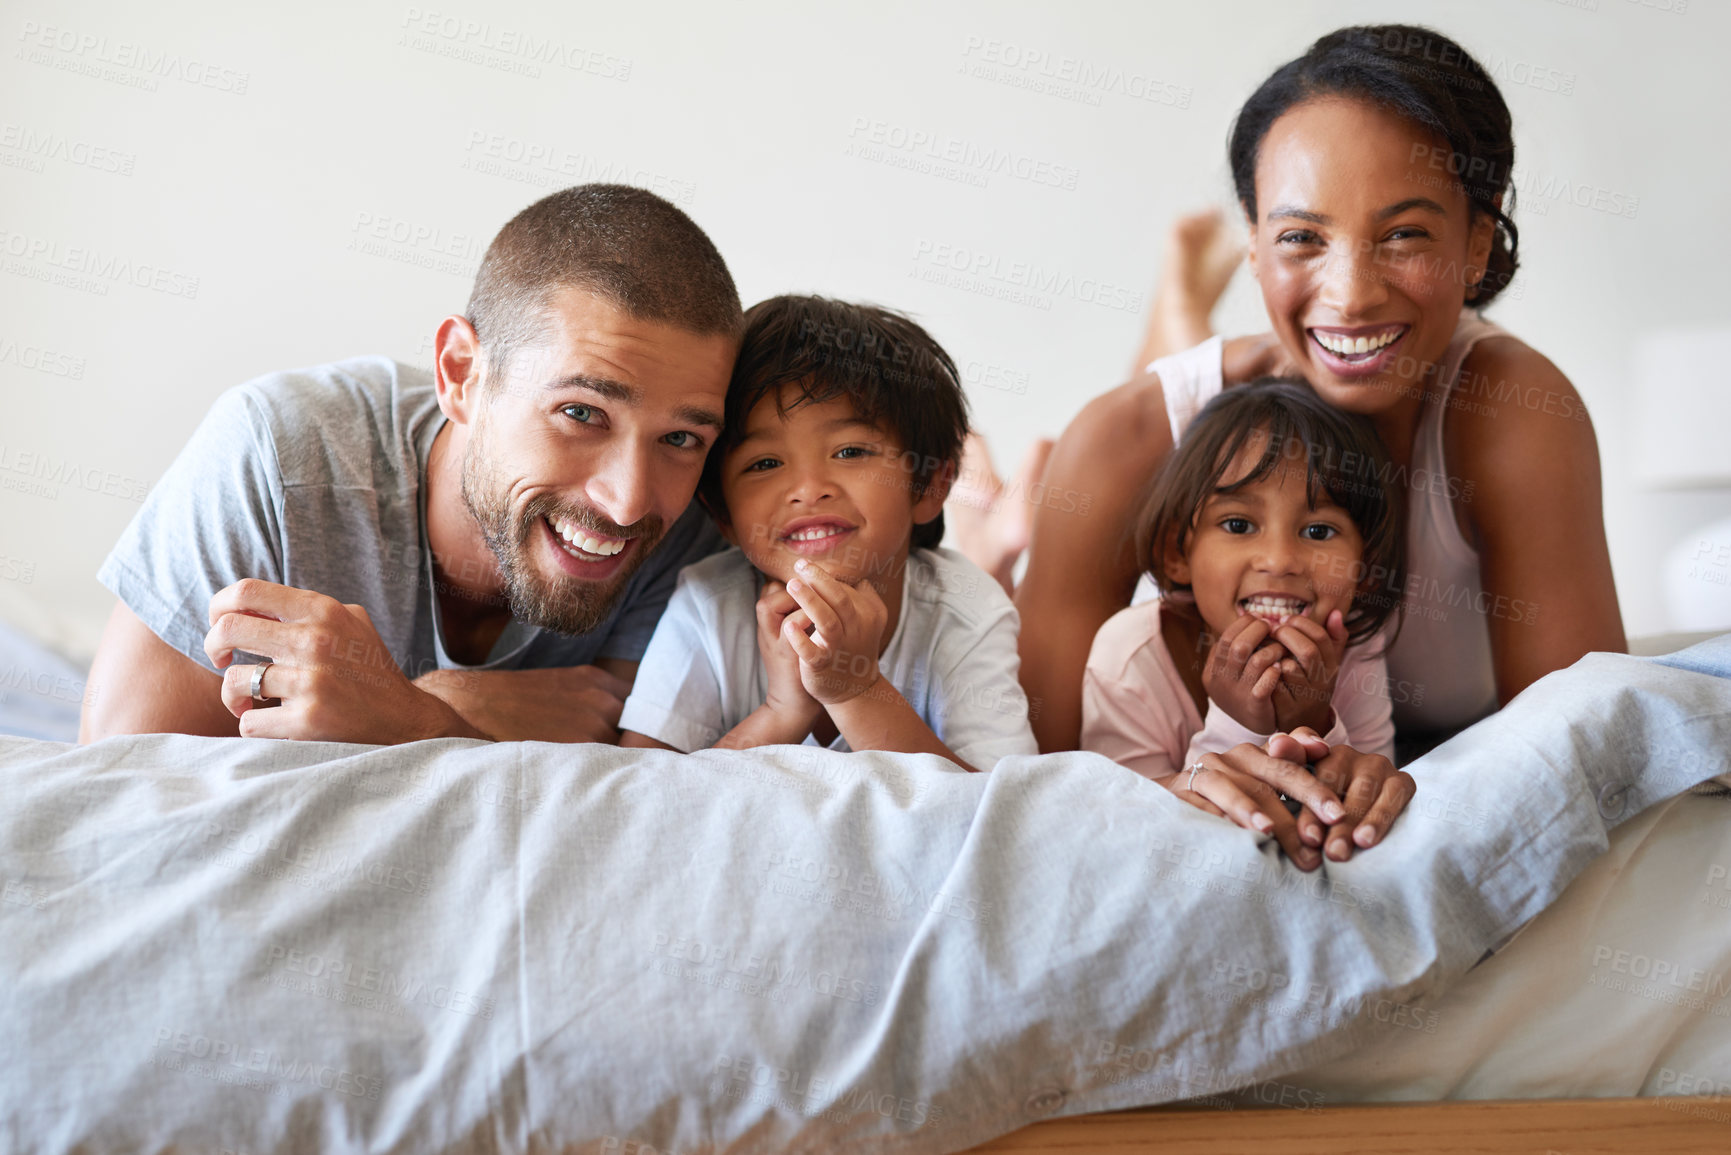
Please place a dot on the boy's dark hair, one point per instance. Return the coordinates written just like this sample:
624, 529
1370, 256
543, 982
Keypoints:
1343, 456
896, 375
623, 244
1428, 79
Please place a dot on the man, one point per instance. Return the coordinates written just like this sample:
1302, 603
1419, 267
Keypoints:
379, 554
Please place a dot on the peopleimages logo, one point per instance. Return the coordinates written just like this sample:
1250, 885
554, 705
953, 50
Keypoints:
1066, 77
89, 53
1022, 281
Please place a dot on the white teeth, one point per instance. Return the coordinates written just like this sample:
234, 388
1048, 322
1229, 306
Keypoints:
1273, 607
576, 537
815, 534
1352, 346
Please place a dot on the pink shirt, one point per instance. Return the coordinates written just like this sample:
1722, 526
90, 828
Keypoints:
1137, 711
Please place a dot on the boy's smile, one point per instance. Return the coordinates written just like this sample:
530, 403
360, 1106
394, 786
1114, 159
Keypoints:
1263, 551
819, 482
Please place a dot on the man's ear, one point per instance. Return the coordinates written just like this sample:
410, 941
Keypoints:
459, 366
930, 503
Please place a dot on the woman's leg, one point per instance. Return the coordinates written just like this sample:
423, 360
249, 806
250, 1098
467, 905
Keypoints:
1202, 253
991, 521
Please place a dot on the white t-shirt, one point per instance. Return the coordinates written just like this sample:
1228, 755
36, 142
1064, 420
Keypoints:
1137, 711
952, 655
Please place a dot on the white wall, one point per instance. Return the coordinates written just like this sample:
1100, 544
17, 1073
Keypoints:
745, 115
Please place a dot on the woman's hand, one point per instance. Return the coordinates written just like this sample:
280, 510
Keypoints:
1375, 793
1245, 784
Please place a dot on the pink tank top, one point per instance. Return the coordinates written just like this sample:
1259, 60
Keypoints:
1440, 671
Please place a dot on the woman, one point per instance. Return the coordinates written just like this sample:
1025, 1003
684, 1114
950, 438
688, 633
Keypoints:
1373, 173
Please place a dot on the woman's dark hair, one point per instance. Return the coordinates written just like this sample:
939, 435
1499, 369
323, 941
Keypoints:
1344, 459
1419, 75
800, 349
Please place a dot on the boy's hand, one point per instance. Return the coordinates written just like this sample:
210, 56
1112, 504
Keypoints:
787, 697
1242, 673
839, 661
1307, 677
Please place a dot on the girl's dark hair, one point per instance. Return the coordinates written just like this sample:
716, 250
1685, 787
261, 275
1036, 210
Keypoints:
1344, 459
1429, 80
897, 376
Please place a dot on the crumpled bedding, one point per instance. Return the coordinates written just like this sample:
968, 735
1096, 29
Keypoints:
245, 945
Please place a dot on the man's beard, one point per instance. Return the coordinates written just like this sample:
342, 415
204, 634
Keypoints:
563, 604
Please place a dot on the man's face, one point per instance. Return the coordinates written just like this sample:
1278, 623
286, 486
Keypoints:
585, 449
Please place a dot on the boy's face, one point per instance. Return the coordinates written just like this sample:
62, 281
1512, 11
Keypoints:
822, 484
1263, 551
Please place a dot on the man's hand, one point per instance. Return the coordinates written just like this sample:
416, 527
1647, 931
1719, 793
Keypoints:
330, 671
787, 697
839, 661
1307, 677
1242, 673
562, 704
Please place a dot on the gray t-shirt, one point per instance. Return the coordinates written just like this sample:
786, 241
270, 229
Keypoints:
314, 479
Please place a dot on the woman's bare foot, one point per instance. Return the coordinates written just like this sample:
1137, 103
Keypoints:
1202, 253
992, 520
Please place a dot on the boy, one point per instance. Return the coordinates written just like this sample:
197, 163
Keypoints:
837, 619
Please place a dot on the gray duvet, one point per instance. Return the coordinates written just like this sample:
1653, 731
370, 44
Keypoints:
254, 946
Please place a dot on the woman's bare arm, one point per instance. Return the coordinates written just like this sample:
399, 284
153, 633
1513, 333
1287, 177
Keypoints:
1081, 564
1521, 437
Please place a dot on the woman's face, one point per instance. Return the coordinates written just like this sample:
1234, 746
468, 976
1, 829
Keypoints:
1364, 250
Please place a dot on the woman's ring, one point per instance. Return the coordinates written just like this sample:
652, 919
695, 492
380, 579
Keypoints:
258, 680
1194, 771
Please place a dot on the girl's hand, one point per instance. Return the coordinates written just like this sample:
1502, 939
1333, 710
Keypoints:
1243, 672
787, 697
1245, 784
1374, 791
1307, 677
839, 660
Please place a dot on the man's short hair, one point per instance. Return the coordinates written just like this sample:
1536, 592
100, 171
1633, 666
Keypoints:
623, 244
799, 349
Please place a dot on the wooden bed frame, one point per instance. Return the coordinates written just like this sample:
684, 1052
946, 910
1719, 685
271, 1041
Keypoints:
1672, 1125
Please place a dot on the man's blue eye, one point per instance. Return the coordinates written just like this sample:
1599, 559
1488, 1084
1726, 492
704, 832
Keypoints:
686, 440
582, 414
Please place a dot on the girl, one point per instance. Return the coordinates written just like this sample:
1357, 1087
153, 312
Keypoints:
1274, 535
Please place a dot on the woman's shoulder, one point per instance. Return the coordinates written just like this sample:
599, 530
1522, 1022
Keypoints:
1244, 359
1507, 397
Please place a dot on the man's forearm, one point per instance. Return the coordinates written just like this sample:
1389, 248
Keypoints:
561, 704
459, 692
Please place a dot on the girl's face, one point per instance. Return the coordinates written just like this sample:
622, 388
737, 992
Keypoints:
1263, 551
1365, 250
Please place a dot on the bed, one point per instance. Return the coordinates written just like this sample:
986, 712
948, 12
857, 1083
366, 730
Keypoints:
254, 946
